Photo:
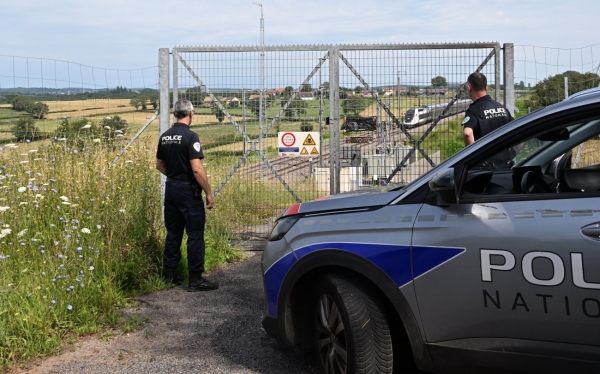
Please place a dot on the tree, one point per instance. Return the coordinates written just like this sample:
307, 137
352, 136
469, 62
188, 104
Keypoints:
38, 109
153, 101
354, 104
289, 89
552, 89
297, 108
306, 88
254, 106
217, 112
20, 103
413, 91
24, 129
143, 102
195, 95
439, 82
358, 89
135, 102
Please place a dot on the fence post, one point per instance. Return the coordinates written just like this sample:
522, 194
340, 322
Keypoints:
164, 105
509, 77
566, 87
497, 77
334, 120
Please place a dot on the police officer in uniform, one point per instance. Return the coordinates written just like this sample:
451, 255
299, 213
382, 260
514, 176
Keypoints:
179, 157
484, 114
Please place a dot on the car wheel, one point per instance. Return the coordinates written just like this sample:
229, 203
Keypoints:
351, 329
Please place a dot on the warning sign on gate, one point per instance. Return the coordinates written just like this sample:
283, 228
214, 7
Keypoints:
298, 143
309, 141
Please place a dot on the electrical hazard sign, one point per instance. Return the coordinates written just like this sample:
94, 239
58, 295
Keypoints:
293, 143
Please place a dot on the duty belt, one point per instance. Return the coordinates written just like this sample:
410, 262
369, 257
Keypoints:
180, 181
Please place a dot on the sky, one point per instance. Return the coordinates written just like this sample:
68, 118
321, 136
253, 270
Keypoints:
126, 34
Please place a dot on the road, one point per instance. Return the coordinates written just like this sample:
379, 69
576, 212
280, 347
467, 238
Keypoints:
202, 332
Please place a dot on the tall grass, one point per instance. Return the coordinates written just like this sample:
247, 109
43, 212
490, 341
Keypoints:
77, 239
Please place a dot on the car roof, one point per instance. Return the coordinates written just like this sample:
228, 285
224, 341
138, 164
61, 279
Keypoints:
587, 93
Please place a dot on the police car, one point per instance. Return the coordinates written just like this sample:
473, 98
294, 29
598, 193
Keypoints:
490, 262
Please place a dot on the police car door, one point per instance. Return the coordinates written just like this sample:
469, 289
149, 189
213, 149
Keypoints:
521, 267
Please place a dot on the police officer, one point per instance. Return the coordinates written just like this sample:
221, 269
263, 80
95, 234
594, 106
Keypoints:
179, 157
484, 114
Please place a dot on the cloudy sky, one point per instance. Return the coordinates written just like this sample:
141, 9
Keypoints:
126, 34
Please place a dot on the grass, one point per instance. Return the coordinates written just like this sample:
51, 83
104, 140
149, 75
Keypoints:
78, 238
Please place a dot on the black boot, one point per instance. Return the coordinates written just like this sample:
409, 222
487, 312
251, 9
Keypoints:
170, 276
199, 283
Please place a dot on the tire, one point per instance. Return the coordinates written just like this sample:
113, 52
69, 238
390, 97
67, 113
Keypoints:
351, 332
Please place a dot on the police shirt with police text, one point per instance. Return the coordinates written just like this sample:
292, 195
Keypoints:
486, 115
176, 147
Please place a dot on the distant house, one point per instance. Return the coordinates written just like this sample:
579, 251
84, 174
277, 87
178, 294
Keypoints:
275, 91
393, 90
366, 93
307, 96
229, 100
257, 97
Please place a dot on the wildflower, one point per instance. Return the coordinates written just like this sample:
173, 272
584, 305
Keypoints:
53, 301
64, 198
70, 307
24, 162
98, 226
22, 189
66, 203
21, 233
43, 273
129, 162
33, 150
96, 140
107, 127
122, 210
42, 251
119, 135
5, 208
92, 268
86, 127
118, 132
85, 230
23, 203
75, 151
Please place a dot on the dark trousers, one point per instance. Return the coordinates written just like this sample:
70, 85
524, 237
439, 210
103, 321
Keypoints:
184, 209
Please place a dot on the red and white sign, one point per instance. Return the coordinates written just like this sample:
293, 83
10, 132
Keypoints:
288, 139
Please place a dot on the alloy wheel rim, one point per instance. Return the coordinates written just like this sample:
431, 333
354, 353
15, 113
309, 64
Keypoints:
331, 337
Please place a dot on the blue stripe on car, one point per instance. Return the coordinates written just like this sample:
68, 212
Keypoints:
394, 260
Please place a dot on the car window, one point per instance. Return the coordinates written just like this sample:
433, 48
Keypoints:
559, 160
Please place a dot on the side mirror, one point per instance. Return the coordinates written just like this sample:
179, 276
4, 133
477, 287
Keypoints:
443, 187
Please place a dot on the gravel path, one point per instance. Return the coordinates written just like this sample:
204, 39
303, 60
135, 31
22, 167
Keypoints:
202, 332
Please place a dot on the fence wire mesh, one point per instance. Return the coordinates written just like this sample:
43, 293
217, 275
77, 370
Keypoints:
540, 74
73, 103
243, 100
271, 136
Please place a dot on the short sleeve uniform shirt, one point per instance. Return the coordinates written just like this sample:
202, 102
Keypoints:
486, 115
176, 147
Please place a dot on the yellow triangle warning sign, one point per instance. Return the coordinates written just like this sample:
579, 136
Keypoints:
314, 151
304, 151
309, 141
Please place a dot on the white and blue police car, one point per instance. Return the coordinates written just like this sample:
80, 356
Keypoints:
488, 263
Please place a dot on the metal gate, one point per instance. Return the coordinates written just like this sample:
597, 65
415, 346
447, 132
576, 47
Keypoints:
360, 99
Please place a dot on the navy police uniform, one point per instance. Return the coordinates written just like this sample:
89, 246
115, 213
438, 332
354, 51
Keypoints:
184, 207
486, 115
